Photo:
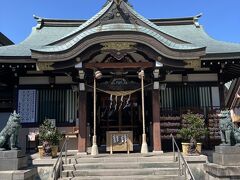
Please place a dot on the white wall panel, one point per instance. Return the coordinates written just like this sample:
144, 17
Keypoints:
33, 80
215, 96
202, 77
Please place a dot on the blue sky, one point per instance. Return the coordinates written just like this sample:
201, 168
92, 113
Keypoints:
221, 18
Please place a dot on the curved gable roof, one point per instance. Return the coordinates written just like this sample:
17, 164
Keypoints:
176, 33
114, 14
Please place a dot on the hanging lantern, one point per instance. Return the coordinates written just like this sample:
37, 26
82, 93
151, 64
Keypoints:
98, 75
141, 74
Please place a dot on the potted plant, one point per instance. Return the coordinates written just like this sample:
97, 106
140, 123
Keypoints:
193, 129
50, 137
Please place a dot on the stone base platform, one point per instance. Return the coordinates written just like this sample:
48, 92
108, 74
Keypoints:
226, 164
12, 160
227, 155
29, 174
217, 172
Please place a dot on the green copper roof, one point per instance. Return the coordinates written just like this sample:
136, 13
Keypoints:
198, 36
4, 40
105, 9
36, 39
120, 28
46, 37
89, 22
146, 21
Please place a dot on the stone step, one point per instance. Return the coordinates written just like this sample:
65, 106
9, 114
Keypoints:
141, 177
150, 154
122, 159
120, 165
121, 172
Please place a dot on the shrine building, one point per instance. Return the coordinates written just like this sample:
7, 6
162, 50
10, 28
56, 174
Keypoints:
116, 76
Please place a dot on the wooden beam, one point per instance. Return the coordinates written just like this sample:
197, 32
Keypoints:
143, 65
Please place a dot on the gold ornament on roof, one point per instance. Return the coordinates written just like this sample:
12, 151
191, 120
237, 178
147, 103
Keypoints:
44, 66
118, 2
196, 64
118, 46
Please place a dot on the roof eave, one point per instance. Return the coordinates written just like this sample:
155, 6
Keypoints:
176, 21
231, 97
17, 59
58, 22
5, 40
221, 56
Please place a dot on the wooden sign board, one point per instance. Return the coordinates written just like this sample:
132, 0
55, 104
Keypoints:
119, 141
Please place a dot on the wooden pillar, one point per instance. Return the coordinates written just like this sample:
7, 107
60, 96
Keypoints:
157, 145
222, 96
94, 150
82, 136
144, 148
221, 90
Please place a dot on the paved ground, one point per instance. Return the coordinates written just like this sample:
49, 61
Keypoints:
208, 153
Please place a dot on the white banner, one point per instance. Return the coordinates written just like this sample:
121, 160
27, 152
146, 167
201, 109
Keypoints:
27, 105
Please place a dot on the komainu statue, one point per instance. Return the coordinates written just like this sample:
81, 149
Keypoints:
226, 127
230, 134
237, 136
9, 134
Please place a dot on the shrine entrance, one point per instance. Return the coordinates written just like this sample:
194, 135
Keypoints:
121, 114
119, 111
122, 81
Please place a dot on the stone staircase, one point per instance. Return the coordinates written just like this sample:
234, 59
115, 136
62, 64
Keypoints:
121, 167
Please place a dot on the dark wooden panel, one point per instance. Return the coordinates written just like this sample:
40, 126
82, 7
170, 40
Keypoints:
143, 65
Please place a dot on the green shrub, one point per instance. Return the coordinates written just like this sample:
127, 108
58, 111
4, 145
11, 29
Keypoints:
47, 132
193, 126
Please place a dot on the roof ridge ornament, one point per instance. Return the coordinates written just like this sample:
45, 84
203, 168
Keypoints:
196, 18
118, 2
39, 21
36, 17
198, 15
